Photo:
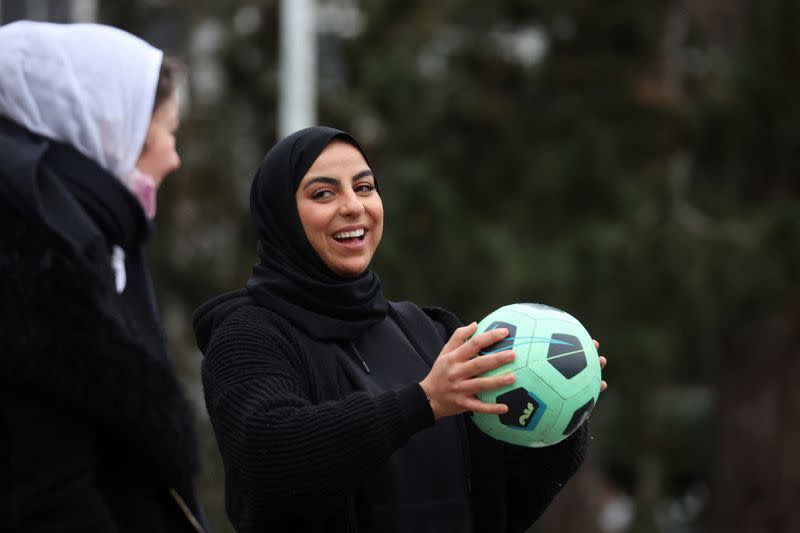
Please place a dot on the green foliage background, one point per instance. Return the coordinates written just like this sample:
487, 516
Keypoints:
635, 165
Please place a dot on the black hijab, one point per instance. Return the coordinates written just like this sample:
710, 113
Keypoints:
290, 278
51, 183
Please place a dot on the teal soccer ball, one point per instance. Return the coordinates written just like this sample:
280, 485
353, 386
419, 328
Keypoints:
557, 375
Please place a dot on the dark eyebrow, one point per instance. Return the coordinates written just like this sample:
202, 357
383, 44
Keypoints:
362, 174
321, 179
334, 181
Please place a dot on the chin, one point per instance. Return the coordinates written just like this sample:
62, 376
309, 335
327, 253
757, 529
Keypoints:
348, 272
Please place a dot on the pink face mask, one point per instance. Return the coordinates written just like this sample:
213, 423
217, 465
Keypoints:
143, 187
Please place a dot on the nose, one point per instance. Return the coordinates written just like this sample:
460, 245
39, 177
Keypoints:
351, 204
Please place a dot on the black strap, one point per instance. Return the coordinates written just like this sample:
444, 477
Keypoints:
410, 318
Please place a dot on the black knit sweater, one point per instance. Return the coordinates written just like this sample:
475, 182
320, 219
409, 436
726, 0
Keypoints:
297, 441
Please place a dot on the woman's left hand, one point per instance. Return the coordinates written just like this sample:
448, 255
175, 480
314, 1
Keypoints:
603, 362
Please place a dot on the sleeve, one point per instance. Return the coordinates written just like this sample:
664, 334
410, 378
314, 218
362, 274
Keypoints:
52, 474
274, 438
535, 476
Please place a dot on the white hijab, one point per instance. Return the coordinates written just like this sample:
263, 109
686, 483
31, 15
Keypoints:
86, 85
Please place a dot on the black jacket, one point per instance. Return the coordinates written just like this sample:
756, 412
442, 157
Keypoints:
95, 433
297, 441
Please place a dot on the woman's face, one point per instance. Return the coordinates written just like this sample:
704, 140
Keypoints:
159, 157
341, 212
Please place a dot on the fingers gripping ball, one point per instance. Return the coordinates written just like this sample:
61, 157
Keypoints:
557, 374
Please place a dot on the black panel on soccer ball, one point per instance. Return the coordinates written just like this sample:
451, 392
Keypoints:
569, 365
521, 408
504, 344
579, 416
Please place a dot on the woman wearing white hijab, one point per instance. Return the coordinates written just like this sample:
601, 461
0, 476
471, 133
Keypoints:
95, 432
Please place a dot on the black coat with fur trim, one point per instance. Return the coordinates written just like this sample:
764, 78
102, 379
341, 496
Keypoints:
95, 433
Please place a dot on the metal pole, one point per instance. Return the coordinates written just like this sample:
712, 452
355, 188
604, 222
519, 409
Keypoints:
84, 11
36, 10
297, 98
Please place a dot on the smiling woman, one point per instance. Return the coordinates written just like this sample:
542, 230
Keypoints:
320, 390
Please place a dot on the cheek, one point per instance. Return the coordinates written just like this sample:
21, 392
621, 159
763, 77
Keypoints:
376, 211
159, 152
314, 224
168, 151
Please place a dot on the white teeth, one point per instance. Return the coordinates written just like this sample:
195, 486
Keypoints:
349, 234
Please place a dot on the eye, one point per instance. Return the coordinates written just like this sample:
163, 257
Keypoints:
321, 194
364, 188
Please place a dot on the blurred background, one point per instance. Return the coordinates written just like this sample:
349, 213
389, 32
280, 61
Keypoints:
633, 162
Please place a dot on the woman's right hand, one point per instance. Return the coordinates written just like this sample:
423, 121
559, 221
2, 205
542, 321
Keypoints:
451, 384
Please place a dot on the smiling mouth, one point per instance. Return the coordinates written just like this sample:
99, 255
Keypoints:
350, 236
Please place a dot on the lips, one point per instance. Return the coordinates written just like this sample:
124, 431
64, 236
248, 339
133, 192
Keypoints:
352, 239
357, 233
